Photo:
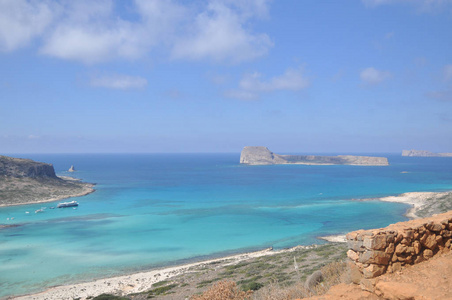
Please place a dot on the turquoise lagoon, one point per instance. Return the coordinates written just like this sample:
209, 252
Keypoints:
153, 210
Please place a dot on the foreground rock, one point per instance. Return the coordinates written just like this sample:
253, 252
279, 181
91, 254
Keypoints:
430, 280
424, 153
262, 156
24, 181
388, 250
404, 261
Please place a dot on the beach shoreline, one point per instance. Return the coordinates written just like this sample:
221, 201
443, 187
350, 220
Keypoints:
419, 201
86, 189
144, 280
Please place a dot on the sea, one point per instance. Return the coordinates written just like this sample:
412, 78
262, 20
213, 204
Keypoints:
155, 210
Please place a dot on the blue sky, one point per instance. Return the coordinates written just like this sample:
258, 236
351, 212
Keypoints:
215, 76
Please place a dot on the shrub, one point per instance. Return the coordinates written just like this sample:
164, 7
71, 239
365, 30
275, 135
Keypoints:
109, 297
224, 290
162, 290
252, 286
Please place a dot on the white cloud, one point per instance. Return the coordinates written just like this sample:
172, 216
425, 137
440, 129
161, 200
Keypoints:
21, 21
92, 31
252, 85
447, 72
373, 76
122, 82
219, 34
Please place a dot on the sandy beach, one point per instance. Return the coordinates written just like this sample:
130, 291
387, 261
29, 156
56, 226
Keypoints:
419, 201
334, 238
143, 281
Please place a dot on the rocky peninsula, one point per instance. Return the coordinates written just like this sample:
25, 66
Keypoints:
258, 155
24, 181
424, 153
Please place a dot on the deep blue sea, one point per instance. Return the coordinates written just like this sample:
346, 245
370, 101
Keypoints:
153, 210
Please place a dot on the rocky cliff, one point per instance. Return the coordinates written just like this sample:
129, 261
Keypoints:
424, 153
262, 156
24, 181
19, 167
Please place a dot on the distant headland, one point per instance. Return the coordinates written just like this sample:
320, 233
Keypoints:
24, 181
424, 153
259, 155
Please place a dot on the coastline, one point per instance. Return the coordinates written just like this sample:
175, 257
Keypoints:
144, 280
86, 188
422, 202
419, 202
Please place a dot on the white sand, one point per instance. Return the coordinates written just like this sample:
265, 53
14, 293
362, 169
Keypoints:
416, 199
143, 281
340, 238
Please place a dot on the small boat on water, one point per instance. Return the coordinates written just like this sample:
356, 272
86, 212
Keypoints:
39, 210
67, 204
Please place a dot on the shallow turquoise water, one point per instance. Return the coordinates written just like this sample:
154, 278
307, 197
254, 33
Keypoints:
159, 209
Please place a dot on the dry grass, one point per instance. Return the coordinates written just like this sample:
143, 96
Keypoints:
274, 291
333, 274
224, 290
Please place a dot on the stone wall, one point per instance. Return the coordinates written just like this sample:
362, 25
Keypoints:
377, 251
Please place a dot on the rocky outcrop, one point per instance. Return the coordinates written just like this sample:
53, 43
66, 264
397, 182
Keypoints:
375, 252
19, 167
24, 181
260, 156
424, 153
253, 155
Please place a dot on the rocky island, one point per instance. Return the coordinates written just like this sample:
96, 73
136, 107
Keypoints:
24, 181
259, 155
424, 153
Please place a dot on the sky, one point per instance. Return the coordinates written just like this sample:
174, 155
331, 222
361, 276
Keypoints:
157, 76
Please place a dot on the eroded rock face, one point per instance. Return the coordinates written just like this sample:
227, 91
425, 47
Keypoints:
258, 155
19, 167
24, 181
